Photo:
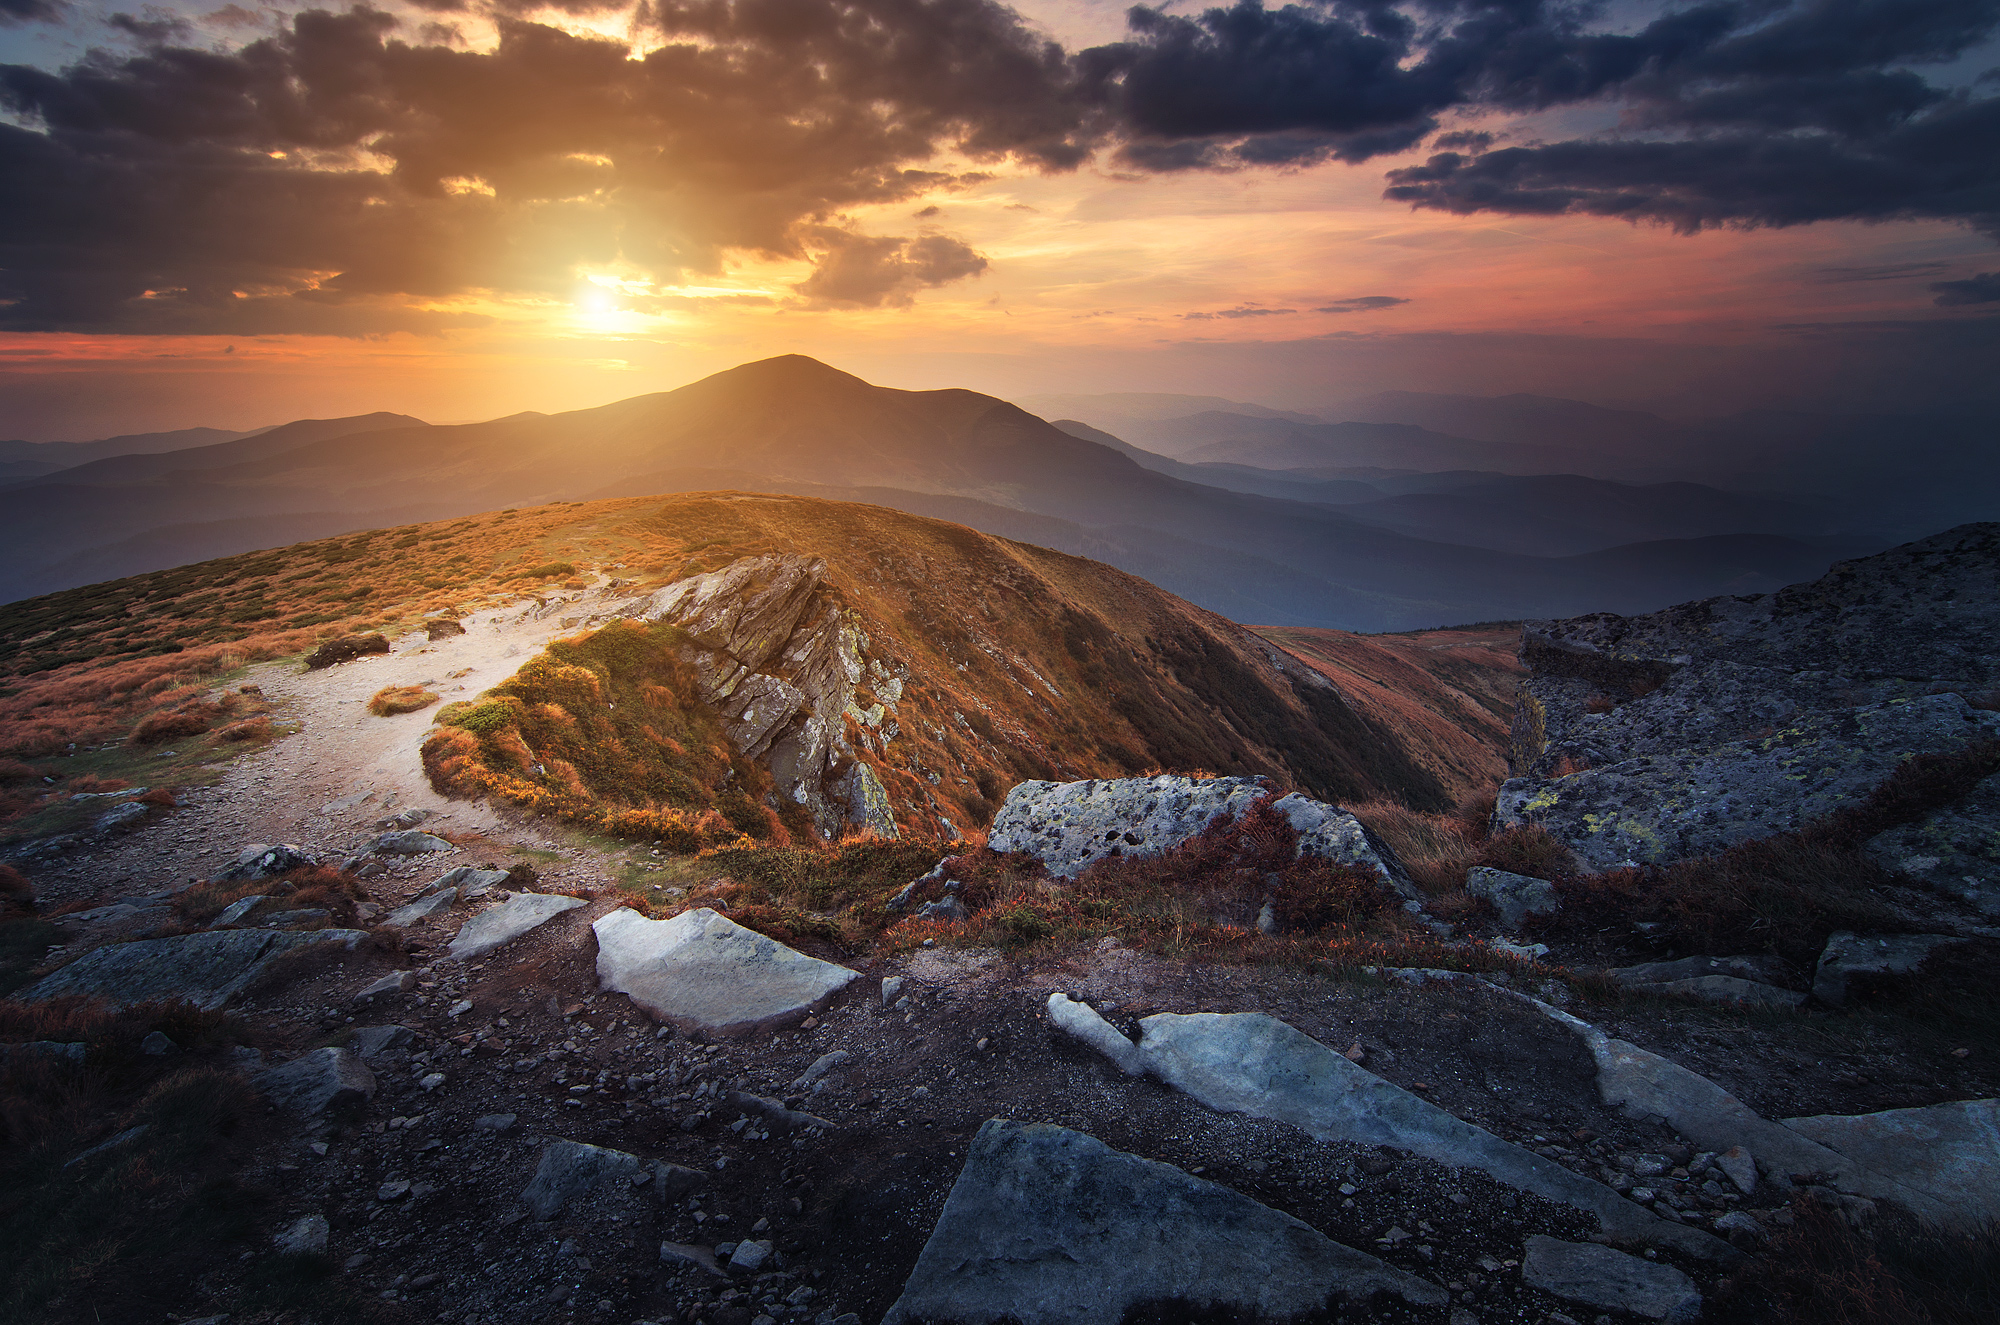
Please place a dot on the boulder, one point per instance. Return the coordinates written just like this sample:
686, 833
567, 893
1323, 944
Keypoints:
1950, 1152
373, 1042
207, 969
506, 922
1740, 1167
570, 1169
438, 628
422, 909
336, 651
1768, 970
306, 1236
319, 1082
1250, 1063
259, 861
1610, 1280
396, 982
1082, 1022
119, 819
702, 971
1955, 850
1069, 826
1514, 896
408, 842
1724, 989
1048, 1226
469, 881
56, 1050
1849, 955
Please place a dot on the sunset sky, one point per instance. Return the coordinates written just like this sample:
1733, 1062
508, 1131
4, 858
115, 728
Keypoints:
460, 209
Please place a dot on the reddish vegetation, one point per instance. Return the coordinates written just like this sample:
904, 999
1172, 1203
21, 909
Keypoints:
1446, 696
400, 699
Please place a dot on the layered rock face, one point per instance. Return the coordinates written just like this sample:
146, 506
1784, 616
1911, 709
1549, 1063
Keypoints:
781, 660
1682, 732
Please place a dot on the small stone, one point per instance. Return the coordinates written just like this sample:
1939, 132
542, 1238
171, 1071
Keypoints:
431, 1080
494, 1122
1739, 1167
306, 1236
158, 1045
892, 988
318, 1082
393, 1190
1737, 1226
356, 1261
750, 1255
396, 982
460, 1008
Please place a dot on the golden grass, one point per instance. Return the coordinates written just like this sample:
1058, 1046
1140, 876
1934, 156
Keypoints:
400, 699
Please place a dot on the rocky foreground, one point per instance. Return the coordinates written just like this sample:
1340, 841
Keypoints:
490, 1100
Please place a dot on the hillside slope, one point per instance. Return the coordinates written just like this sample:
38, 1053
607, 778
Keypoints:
1008, 661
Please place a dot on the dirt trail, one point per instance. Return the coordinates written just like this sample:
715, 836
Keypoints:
326, 785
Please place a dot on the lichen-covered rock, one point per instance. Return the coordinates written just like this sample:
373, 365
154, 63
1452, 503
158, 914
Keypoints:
1070, 826
1684, 731
1955, 849
1663, 807
1514, 896
207, 969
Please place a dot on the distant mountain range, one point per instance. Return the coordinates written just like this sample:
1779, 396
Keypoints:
1360, 538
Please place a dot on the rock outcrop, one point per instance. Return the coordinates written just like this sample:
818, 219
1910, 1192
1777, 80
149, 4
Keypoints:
207, 969
1048, 1226
781, 660
506, 922
1680, 733
1070, 826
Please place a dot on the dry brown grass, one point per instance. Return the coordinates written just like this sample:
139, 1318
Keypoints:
400, 699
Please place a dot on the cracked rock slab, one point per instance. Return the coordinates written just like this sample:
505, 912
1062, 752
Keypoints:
506, 922
1247, 1062
1048, 1226
1950, 1152
208, 969
1610, 1280
703, 971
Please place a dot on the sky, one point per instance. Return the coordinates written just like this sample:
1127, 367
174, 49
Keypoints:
233, 215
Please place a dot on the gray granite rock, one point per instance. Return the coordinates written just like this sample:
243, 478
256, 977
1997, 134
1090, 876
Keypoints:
1951, 1152
207, 969
395, 982
1769, 970
260, 861
1251, 1063
1955, 849
1849, 955
423, 908
1726, 989
234, 913
1610, 1280
702, 971
1047, 1226
408, 842
506, 922
318, 1082
569, 1169
468, 881
305, 1236
373, 1042
1514, 896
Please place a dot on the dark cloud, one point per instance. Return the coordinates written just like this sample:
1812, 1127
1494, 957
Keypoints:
1242, 310
339, 166
30, 11
1892, 271
1981, 289
1364, 304
863, 271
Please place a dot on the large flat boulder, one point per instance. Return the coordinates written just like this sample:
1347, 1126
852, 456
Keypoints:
1247, 1062
1849, 955
704, 972
1070, 826
208, 970
1048, 1226
506, 922
1950, 1152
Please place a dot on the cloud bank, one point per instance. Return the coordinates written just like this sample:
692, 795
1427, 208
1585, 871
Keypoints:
348, 176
